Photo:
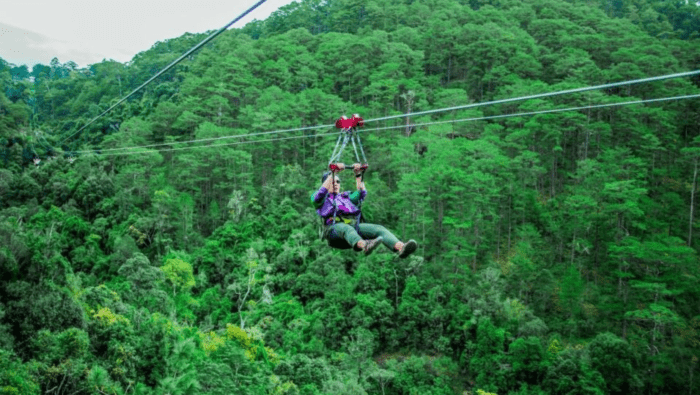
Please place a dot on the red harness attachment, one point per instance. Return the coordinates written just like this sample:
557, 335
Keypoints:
358, 120
347, 123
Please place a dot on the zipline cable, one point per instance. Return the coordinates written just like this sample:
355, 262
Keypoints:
168, 67
217, 145
215, 138
583, 89
669, 76
422, 124
540, 112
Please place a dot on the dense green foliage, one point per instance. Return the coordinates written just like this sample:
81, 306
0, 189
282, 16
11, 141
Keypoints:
557, 253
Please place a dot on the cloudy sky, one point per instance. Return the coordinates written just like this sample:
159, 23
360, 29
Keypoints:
88, 31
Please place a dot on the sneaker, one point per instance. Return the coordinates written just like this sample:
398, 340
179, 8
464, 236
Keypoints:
370, 245
408, 248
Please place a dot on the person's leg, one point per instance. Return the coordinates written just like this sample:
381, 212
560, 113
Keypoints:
372, 231
346, 232
390, 241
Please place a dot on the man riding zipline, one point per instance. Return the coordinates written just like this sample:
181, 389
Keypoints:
341, 212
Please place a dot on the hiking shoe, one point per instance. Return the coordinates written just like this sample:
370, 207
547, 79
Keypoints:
370, 245
408, 248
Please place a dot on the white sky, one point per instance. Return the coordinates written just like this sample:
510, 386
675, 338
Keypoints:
88, 31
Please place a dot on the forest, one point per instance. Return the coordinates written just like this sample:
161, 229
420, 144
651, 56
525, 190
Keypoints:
557, 252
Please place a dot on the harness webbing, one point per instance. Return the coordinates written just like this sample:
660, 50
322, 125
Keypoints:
351, 135
364, 158
335, 149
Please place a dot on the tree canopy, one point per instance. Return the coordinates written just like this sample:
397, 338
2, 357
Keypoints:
557, 252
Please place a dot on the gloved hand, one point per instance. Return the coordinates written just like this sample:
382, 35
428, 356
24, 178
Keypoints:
357, 168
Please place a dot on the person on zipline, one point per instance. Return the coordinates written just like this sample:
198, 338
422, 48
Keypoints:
367, 236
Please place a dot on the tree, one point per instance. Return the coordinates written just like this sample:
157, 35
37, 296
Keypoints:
255, 266
383, 378
179, 273
360, 348
304, 371
61, 359
180, 373
613, 358
34, 307
493, 369
412, 311
145, 280
16, 377
571, 372
529, 360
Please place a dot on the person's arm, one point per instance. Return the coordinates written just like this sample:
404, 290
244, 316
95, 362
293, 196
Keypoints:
357, 169
328, 184
361, 192
358, 178
318, 196
360, 183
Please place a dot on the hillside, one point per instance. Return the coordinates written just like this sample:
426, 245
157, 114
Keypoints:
558, 252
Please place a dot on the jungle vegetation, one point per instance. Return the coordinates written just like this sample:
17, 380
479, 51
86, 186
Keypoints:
558, 253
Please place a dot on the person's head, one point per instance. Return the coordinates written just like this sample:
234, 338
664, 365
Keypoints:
336, 183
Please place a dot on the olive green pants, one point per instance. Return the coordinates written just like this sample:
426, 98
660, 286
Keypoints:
342, 231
